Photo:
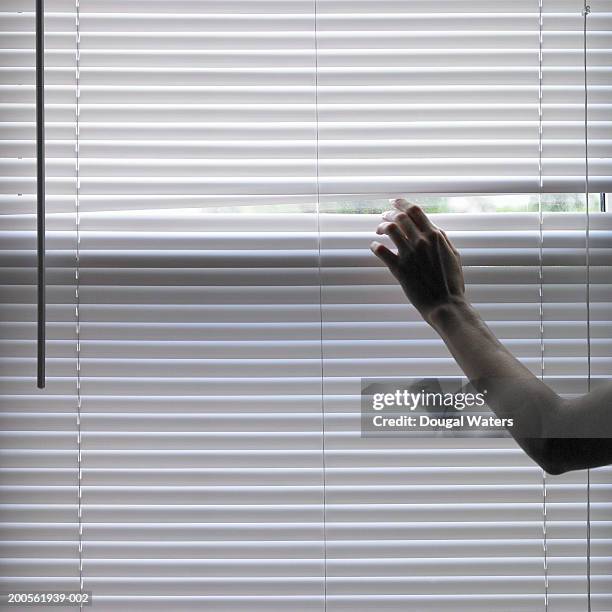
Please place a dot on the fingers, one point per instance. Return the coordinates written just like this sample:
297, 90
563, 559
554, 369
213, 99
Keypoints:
405, 222
401, 204
388, 257
396, 234
416, 213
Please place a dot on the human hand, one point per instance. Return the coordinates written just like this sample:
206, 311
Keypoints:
427, 265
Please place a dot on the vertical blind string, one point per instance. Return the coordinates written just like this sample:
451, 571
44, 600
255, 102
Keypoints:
320, 281
78, 297
541, 283
585, 13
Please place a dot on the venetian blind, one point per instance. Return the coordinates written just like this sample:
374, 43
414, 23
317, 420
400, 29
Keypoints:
220, 156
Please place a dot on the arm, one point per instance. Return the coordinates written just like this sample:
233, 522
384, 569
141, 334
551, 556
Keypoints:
428, 268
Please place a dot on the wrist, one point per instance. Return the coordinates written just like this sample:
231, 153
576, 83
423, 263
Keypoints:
446, 316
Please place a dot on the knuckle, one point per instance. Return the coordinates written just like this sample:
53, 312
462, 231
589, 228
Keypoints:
404, 257
414, 208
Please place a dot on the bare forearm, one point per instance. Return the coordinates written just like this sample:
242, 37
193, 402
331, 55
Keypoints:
473, 345
513, 391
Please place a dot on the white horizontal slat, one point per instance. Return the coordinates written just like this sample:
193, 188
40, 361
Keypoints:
289, 350
303, 313
275, 6
307, 567
132, 173
378, 298
312, 585
303, 57
520, 335
483, 265
136, 553
139, 221
392, 513
234, 151
564, 96
347, 20
560, 41
100, 372
295, 531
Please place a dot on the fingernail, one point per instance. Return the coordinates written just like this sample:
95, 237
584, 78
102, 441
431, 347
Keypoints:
374, 246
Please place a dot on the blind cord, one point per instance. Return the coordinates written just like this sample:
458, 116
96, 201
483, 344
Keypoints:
585, 13
541, 281
41, 297
78, 299
320, 280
